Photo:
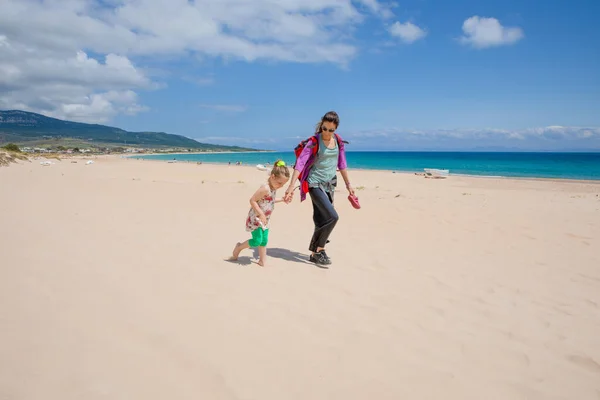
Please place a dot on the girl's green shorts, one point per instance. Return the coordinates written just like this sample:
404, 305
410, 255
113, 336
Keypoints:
260, 238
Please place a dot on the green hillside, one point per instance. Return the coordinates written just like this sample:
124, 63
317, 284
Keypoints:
25, 128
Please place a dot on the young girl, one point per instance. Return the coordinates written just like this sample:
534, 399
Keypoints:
262, 204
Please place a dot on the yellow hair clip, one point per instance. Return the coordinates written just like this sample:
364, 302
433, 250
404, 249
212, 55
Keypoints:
280, 164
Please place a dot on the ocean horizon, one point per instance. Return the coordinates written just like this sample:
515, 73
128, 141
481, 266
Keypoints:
552, 165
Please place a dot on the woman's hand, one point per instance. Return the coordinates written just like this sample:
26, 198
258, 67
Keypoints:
289, 195
347, 181
350, 189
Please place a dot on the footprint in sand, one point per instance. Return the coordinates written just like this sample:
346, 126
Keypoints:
560, 310
523, 359
439, 283
438, 311
591, 303
593, 278
574, 236
585, 362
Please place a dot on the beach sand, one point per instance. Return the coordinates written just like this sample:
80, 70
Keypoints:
114, 285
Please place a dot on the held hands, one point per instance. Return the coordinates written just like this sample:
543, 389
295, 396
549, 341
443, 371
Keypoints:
289, 195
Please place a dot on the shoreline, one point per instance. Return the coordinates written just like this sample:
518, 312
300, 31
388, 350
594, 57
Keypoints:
393, 171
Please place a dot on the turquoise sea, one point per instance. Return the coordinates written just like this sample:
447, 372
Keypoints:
538, 165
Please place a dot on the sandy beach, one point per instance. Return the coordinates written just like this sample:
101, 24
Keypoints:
114, 284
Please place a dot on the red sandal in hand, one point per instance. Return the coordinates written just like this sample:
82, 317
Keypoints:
354, 201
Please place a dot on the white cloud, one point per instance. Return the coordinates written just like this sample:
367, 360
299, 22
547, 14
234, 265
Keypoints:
481, 32
548, 134
99, 107
547, 131
260, 29
556, 132
74, 86
224, 107
550, 138
64, 57
383, 10
407, 32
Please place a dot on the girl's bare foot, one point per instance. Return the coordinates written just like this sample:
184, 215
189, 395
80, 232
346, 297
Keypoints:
236, 252
262, 255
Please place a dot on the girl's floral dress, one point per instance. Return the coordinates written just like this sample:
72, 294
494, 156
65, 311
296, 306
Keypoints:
267, 205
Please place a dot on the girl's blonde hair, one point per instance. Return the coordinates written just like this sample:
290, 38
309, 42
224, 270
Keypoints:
280, 169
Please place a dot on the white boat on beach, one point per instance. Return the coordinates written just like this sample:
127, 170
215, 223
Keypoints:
436, 173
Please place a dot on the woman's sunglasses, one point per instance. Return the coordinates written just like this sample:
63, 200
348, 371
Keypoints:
323, 129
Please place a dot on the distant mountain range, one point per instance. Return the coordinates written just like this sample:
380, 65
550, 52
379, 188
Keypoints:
21, 127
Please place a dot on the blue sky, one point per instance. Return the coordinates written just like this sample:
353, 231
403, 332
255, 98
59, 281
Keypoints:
420, 74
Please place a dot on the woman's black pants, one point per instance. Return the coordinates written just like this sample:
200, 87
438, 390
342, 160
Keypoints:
324, 216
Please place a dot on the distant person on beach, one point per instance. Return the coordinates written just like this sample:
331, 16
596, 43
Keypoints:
262, 205
318, 178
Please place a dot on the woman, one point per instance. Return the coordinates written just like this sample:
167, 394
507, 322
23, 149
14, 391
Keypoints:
317, 173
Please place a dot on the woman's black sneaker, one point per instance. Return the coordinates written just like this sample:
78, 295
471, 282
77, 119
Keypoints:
320, 258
